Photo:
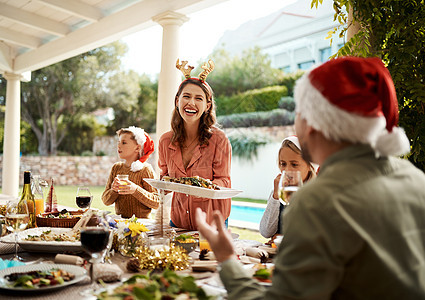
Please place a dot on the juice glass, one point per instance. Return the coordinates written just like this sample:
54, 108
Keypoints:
203, 243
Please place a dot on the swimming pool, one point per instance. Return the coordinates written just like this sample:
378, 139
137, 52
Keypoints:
246, 213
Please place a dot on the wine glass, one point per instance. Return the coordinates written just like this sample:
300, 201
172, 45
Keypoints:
290, 182
17, 218
84, 197
95, 237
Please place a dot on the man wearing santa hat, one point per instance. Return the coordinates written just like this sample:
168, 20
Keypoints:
357, 231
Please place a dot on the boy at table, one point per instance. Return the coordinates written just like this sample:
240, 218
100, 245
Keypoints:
135, 196
356, 231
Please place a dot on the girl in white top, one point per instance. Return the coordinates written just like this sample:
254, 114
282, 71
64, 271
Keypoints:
289, 160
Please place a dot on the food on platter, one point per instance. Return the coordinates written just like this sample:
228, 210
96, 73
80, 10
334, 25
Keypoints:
193, 181
185, 238
39, 279
48, 235
263, 272
167, 285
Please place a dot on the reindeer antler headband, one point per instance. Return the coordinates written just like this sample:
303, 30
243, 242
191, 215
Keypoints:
207, 67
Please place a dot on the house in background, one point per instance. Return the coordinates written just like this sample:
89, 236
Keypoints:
294, 37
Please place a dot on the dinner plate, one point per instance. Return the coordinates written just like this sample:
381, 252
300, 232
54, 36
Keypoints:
43, 246
79, 272
250, 269
222, 193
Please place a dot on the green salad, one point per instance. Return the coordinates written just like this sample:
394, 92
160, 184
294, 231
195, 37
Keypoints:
167, 285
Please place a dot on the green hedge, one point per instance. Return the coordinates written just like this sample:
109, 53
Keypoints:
264, 99
275, 117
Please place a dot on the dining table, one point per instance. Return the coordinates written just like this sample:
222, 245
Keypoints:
207, 278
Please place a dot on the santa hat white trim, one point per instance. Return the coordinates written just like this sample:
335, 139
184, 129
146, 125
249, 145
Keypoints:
339, 125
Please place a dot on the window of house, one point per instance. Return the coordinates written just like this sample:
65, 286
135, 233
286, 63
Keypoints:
325, 53
305, 65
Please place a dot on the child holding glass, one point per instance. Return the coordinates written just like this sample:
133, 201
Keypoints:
132, 196
290, 159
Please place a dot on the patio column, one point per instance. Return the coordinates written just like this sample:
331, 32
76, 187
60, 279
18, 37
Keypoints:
169, 77
11, 143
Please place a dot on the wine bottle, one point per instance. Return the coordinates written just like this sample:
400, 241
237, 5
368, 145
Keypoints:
27, 199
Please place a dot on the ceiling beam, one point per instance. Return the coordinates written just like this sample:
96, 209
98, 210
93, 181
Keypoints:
5, 58
111, 28
76, 8
18, 38
33, 20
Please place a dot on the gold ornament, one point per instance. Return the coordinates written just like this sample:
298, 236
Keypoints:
207, 67
174, 258
183, 69
206, 70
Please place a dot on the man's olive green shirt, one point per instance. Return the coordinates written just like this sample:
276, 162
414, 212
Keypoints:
357, 231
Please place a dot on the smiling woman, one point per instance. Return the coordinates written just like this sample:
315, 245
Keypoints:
195, 147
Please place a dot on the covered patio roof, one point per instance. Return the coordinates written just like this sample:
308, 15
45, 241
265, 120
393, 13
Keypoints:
38, 33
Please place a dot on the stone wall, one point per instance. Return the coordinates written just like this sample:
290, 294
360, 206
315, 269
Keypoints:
67, 170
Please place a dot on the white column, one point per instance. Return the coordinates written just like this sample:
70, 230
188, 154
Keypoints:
11, 143
169, 77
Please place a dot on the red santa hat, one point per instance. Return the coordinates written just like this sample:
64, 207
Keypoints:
353, 99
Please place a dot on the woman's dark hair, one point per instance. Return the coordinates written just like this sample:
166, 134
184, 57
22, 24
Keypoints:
208, 118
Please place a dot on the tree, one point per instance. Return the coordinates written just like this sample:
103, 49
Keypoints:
232, 75
141, 111
60, 94
395, 32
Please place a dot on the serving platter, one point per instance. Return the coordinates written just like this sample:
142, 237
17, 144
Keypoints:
79, 272
43, 246
222, 193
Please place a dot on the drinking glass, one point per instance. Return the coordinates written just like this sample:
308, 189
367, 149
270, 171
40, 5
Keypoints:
84, 197
17, 218
290, 182
95, 237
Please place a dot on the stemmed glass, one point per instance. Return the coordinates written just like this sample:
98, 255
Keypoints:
95, 237
290, 182
17, 218
84, 197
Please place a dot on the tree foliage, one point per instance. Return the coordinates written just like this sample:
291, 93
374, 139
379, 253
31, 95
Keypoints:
395, 32
142, 112
60, 95
250, 70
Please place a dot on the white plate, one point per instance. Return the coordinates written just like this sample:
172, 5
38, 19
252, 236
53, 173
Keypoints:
222, 193
79, 273
43, 246
250, 269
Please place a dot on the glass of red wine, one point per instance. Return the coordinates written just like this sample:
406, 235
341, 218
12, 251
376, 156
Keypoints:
84, 197
95, 237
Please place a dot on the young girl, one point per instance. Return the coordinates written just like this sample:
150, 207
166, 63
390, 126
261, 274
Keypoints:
195, 147
289, 160
135, 197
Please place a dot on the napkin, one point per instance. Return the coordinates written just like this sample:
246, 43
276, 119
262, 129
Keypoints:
255, 252
69, 259
204, 266
4, 264
249, 260
107, 272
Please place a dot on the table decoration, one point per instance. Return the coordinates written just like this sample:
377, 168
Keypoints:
173, 258
131, 235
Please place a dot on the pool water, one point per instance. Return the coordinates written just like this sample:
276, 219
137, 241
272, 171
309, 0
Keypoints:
246, 213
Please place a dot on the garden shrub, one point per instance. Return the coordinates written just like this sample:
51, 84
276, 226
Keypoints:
287, 103
264, 99
275, 117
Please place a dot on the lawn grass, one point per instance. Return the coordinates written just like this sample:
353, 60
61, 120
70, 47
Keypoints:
249, 200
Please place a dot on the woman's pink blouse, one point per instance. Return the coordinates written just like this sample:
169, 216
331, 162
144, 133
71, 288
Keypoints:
210, 161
